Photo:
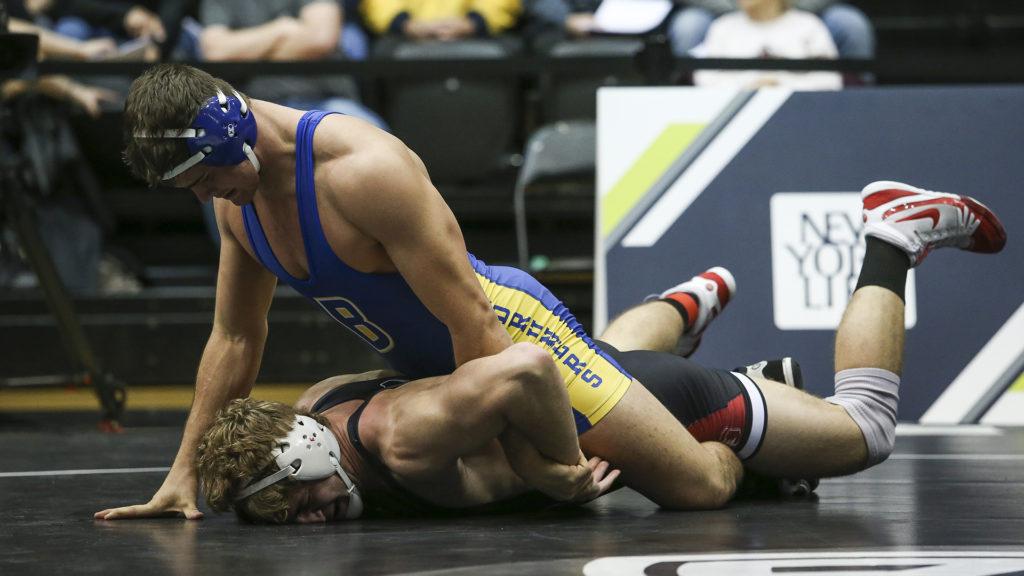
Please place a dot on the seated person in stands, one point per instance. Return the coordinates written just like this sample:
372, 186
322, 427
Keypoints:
53, 45
558, 19
56, 46
850, 29
68, 208
549, 22
282, 30
89, 19
768, 29
443, 20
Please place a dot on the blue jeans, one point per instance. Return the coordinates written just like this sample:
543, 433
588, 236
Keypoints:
850, 29
354, 42
79, 29
688, 28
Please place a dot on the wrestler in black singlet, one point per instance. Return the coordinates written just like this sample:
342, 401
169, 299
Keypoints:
394, 499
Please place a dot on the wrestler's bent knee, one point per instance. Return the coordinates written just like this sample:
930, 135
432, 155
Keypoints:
710, 492
870, 397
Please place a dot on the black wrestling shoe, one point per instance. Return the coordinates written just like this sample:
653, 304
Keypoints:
757, 487
784, 371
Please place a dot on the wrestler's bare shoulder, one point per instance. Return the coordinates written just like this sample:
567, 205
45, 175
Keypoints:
316, 391
354, 156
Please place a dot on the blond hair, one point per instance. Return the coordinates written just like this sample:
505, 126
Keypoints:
237, 449
164, 97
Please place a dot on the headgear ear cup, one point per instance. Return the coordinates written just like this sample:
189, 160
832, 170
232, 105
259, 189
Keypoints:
223, 134
309, 452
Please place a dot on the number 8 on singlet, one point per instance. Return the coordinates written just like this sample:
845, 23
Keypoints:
350, 316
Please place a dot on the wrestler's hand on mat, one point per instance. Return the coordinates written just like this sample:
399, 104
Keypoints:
174, 498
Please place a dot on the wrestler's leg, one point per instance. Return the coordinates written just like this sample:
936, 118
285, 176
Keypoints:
659, 458
677, 319
805, 436
652, 325
903, 225
810, 436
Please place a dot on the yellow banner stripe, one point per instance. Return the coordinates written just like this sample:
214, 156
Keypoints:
648, 168
1018, 385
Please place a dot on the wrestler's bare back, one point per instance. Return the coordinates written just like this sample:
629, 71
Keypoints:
457, 484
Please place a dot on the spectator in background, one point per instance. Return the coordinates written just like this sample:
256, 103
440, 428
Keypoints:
85, 19
283, 30
70, 215
768, 29
442, 20
134, 26
56, 46
850, 29
551, 21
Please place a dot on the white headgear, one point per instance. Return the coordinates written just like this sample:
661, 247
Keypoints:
309, 452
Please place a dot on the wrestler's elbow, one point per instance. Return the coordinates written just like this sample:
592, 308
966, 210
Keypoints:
531, 365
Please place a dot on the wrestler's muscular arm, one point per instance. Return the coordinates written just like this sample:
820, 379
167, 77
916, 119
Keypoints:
313, 35
388, 196
227, 370
438, 439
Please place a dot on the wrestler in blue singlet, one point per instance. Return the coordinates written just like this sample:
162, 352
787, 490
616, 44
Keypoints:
384, 312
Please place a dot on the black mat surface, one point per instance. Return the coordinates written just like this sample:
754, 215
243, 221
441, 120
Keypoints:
937, 494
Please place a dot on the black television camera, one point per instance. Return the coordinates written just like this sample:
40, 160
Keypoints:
18, 56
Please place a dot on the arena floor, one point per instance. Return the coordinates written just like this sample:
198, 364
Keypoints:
943, 504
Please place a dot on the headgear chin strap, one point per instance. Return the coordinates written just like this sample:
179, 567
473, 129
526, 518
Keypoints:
222, 134
309, 452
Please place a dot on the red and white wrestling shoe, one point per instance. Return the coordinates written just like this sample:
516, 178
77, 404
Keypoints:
704, 297
919, 221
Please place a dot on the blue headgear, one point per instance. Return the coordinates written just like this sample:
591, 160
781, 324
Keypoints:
222, 134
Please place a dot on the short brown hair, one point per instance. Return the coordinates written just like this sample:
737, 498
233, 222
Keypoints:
164, 97
236, 450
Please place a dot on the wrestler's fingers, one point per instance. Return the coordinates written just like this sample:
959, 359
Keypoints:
600, 484
147, 511
192, 513
134, 511
606, 483
597, 463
